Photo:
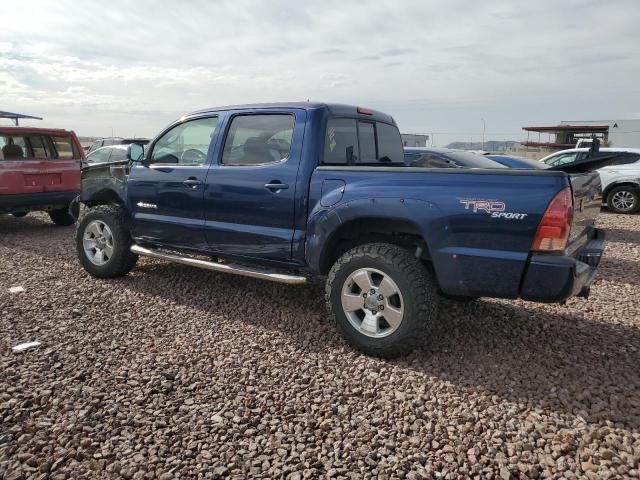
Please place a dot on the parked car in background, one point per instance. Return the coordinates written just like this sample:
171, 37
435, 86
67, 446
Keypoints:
433, 157
620, 176
40, 171
513, 161
105, 142
112, 154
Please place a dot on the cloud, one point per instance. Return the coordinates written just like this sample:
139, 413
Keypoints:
330, 51
394, 52
433, 65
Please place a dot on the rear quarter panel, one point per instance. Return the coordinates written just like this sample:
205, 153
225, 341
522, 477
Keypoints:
473, 253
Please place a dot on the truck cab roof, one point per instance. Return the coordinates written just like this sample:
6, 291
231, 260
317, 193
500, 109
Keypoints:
335, 109
11, 130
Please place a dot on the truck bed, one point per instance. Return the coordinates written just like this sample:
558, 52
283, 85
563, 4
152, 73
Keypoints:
479, 225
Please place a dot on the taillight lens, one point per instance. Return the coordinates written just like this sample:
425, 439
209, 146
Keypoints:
554, 228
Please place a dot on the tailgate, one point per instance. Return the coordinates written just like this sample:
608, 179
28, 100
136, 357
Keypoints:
20, 176
587, 201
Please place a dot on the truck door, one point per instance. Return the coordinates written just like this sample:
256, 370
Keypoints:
165, 192
250, 198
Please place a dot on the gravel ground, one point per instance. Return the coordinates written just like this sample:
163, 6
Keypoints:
173, 372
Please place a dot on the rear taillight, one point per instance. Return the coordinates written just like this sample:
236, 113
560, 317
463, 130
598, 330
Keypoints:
554, 228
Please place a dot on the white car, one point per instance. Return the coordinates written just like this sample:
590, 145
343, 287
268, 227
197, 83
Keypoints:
620, 180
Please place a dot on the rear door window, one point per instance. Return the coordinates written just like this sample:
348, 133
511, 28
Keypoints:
63, 147
258, 139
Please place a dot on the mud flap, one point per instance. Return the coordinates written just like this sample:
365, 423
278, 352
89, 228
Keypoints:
74, 207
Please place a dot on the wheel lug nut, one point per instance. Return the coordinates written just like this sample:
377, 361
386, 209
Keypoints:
372, 291
381, 307
364, 295
380, 297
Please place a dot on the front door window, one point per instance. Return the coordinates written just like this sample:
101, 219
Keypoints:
185, 144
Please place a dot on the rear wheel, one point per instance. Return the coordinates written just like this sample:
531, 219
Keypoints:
103, 243
381, 298
624, 199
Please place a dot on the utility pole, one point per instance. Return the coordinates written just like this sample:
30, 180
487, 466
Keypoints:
484, 125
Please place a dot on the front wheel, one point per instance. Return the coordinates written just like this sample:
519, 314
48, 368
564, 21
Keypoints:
20, 214
624, 199
103, 242
381, 298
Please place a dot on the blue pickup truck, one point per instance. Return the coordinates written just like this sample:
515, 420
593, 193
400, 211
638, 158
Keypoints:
288, 191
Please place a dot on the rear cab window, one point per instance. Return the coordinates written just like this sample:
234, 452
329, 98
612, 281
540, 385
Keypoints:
350, 141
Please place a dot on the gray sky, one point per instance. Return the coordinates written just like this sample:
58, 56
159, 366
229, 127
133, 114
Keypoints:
436, 66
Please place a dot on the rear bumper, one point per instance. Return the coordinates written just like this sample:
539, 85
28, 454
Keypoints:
555, 278
36, 201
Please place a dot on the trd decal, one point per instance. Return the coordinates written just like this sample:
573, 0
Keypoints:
484, 205
495, 208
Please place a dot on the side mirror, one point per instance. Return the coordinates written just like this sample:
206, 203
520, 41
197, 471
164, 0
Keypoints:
135, 152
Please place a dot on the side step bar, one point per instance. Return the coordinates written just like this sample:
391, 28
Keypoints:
220, 267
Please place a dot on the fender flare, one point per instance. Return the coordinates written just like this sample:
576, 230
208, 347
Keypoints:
324, 224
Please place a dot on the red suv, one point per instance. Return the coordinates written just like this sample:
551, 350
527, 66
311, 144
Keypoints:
40, 170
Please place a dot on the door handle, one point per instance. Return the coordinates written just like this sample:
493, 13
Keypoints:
192, 182
276, 186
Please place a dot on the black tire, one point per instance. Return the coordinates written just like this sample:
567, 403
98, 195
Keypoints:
62, 217
416, 285
122, 260
630, 192
20, 214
